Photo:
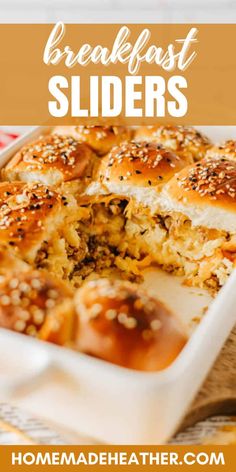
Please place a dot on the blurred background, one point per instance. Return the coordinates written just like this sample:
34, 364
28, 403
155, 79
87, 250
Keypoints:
156, 11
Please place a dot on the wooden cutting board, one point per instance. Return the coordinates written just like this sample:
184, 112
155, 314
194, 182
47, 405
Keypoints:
218, 394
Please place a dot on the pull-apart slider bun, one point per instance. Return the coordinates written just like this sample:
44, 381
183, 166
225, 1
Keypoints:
185, 141
118, 322
51, 160
102, 138
206, 193
136, 170
226, 149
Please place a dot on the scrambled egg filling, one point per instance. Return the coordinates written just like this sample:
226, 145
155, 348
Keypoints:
119, 233
62, 251
115, 236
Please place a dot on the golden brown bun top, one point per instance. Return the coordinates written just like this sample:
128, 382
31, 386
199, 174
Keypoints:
57, 152
118, 322
32, 302
208, 181
184, 141
139, 163
226, 149
24, 208
102, 138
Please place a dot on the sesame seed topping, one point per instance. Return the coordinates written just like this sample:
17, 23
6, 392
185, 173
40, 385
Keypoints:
180, 139
144, 155
131, 307
26, 207
20, 325
50, 150
211, 177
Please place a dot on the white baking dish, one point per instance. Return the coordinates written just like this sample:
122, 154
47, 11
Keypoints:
111, 403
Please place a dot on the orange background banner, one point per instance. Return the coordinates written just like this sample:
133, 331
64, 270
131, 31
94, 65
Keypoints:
25, 77
196, 455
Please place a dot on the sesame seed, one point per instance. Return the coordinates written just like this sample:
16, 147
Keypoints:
212, 178
35, 283
5, 300
131, 323
50, 303
52, 293
20, 325
122, 318
13, 283
155, 325
38, 317
95, 310
111, 314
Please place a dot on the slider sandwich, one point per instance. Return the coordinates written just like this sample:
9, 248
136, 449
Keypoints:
55, 160
146, 206
140, 204
40, 226
121, 202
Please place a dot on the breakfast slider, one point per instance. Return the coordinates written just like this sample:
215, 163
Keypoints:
122, 201
40, 225
185, 223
